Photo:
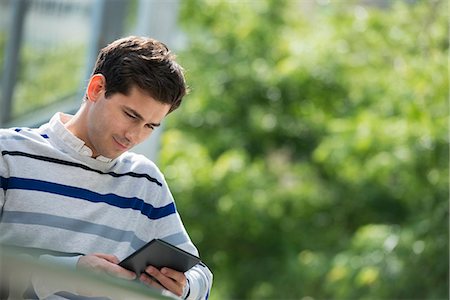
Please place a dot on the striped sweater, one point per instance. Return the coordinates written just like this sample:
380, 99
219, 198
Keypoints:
54, 196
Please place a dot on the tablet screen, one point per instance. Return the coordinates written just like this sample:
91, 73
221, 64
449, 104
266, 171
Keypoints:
159, 254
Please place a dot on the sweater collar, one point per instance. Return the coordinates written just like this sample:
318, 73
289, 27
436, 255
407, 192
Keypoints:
57, 124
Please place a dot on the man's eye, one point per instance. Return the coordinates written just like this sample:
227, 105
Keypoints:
130, 115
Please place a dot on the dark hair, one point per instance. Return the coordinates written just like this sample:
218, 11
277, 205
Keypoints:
145, 63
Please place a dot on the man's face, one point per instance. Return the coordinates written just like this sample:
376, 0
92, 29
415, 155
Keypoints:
118, 123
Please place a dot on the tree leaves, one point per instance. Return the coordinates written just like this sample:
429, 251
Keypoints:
316, 138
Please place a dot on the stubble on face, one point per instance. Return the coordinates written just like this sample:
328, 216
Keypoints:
118, 123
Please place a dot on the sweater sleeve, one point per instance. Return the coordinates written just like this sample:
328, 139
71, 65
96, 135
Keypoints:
3, 182
2, 192
173, 231
200, 282
44, 286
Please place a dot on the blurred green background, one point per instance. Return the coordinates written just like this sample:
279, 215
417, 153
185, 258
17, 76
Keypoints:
311, 158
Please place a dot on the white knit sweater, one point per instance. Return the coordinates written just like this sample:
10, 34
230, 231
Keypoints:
54, 196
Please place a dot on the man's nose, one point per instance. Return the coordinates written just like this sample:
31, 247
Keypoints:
135, 134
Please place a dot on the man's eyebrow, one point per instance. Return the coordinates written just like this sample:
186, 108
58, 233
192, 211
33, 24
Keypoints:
138, 116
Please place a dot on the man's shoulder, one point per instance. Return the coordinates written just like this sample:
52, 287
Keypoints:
139, 163
140, 166
17, 132
10, 131
135, 158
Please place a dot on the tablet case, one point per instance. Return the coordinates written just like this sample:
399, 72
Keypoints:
159, 254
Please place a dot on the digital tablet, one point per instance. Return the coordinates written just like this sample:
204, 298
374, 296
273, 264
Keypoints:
159, 254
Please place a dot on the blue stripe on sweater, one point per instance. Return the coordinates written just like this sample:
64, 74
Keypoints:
84, 194
45, 136
107, 232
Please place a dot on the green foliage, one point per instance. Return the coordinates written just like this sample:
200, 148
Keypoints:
311, 159
46, 76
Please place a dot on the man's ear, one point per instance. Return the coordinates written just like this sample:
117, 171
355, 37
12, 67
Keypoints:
96, 86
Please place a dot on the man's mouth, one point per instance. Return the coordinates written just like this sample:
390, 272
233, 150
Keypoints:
123, 144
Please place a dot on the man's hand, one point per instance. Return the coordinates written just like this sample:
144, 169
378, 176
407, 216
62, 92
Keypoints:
101, 263
104, 263
167, 278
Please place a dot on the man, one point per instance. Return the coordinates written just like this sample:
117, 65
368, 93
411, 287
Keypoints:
72, 190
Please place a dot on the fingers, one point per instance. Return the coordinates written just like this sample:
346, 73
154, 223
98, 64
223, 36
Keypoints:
171, 280
118, 271
150, 281
105, 263
175, 275
109, 257
102, 263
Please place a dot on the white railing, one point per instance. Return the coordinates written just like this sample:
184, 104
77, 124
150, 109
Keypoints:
16, 270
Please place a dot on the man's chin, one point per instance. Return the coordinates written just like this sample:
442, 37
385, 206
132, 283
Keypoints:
115, 155
112, 155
